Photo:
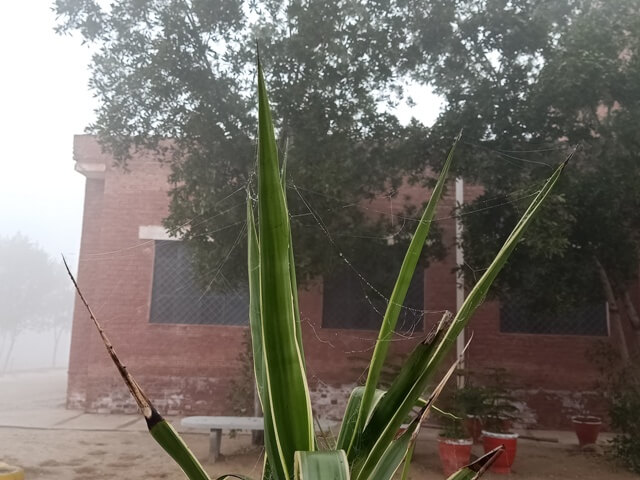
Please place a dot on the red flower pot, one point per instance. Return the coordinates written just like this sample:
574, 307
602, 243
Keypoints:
454, 454
587, 429
473, 424
491, 440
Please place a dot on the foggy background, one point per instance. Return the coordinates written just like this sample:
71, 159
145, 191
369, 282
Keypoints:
45, 101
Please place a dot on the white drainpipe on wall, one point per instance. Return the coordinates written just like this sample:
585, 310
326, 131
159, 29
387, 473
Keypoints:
460, 275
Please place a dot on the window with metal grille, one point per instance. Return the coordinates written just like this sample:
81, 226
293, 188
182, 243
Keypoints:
176, 297
591, 319
349, 302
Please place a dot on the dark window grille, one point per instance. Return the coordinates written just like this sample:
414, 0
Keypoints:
591, 319
349, 303
177, 298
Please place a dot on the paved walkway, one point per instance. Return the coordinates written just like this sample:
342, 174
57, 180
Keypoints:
36, 400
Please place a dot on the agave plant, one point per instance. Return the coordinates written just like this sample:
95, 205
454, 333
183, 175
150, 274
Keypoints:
372, 443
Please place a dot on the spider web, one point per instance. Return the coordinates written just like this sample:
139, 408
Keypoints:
399, 222
375, 297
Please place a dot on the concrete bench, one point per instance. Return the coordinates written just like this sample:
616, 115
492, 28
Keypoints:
215, 425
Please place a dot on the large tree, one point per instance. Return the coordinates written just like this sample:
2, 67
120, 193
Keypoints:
184, 70
528, 81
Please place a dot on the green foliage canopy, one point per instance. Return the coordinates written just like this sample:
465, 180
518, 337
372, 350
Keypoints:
183, 70
527, 80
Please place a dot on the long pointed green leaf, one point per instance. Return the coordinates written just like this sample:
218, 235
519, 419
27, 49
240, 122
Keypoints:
398, 295
286, 385
267, 469
402, 396
347, 429
172, 443
476, 469
391, 459
474, 299
386, 463
378, 439
407, 462
233, 475
159, 428
257, 343
430, 405
292, 264
479, 291
253, 258
331, 465
296, 306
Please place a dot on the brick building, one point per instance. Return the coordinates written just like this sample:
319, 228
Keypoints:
189, 367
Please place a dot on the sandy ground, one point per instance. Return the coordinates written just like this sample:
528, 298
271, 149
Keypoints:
80, 455
52, 443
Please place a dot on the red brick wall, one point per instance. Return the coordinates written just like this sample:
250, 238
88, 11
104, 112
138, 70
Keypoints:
189, 368
182, 367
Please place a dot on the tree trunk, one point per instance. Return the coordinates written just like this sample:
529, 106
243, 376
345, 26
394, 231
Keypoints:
3, 340
614, 312
9, 351
57, 333
632, 315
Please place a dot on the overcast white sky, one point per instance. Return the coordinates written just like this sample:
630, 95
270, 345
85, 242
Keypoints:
44, 101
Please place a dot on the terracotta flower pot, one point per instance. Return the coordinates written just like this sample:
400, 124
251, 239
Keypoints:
491, 440
587, 429
473, 424
454, 454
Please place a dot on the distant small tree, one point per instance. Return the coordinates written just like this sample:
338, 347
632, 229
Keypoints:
59, 311
34, 294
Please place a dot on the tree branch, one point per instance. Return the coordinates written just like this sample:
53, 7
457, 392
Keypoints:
614, 310
632, 315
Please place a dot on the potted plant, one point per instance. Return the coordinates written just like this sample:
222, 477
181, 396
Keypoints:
587, 428
500, 412
586, 425
471, 401
454, 445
